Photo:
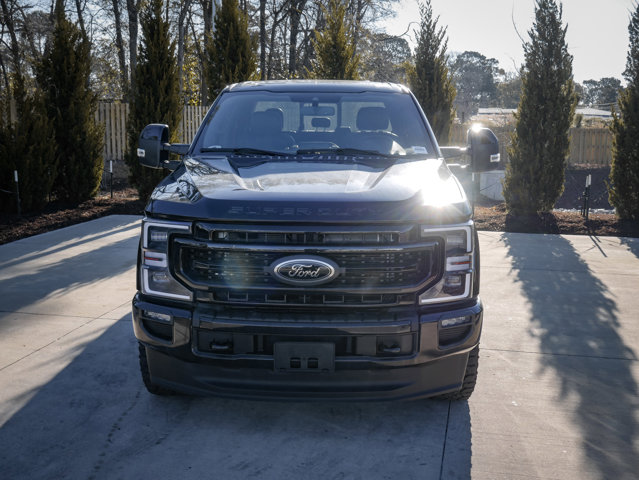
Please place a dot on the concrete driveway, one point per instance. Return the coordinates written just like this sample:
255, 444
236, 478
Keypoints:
557, 395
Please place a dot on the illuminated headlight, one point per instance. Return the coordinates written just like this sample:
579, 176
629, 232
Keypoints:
156, 278
457, 278
158, 236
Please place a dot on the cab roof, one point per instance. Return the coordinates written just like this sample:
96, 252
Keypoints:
318, 86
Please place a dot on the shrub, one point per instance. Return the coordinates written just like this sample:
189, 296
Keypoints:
541, 142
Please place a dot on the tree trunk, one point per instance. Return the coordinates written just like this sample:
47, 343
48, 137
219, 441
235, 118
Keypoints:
276, 20
186, 4
295, 13
208, 10
14, 47
119, 43
78, 8
362, 6
263, 39
133, 11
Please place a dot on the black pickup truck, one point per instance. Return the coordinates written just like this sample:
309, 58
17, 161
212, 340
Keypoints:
311, 242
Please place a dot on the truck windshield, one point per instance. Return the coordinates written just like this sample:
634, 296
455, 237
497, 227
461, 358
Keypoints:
375, 123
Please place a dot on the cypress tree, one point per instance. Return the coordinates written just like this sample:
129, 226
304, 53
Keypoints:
335, 56
541, 143
430, 79
230, 50
28, 146
623, 189
155, 93
64, 76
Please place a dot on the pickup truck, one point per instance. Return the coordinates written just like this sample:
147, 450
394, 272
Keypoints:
310, 243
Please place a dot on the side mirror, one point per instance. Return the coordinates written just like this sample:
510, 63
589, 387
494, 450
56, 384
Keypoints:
154, 147
151, 152
484, 149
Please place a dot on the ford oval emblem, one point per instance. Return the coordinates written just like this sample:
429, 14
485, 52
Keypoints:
304, 270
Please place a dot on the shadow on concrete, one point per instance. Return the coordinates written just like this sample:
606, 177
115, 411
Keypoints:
95, 420
632, 244
575, 318
52, 279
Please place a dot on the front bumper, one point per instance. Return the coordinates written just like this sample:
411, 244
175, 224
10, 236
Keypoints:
393, 354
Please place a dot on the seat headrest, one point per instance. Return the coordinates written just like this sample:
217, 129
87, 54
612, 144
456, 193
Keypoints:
271, 120
372, 118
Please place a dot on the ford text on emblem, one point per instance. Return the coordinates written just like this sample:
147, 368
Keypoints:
304, 270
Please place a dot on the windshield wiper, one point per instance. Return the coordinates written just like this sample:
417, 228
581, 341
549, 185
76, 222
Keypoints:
246, 151
343, 151
363, 157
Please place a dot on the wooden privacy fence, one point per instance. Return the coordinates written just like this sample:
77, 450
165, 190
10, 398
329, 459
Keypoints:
114, 116
588, 146
592, 146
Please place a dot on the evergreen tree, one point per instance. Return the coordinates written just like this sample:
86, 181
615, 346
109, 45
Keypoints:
430, 79
623, 189
335, 56
155, 93
64, 75
540, 143
28, 146
230, 51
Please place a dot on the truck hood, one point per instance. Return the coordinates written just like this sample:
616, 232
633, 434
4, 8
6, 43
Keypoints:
318, 181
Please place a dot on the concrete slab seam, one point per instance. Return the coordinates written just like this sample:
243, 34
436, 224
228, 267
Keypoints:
47, 345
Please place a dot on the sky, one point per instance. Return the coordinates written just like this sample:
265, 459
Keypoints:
597, 34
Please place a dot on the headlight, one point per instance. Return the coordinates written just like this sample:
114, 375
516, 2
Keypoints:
156, 275
457, 279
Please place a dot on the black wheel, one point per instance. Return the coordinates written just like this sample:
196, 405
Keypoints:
146, 376
470, 378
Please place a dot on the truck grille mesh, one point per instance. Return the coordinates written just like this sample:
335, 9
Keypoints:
234, 267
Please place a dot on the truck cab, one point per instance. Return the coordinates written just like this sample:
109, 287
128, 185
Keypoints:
311, 242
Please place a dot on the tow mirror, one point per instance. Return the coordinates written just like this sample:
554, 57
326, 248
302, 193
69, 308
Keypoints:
484, 149
154, 147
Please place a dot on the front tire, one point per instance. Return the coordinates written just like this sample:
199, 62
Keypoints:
470, 378
146, 376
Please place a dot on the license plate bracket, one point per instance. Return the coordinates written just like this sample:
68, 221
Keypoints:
304, 357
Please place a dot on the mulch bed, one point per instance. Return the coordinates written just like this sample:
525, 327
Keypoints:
55, 215
496, 219
487, 217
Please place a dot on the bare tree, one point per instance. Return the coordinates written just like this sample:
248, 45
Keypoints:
295, 13
263, 39
8, 14
80, 11
133, 11
185, 6
119, 44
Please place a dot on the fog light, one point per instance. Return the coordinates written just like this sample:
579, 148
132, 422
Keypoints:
453, 281
452, 322
160, 277
160, 317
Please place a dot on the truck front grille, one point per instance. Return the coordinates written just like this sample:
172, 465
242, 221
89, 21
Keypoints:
372, 273
301, 235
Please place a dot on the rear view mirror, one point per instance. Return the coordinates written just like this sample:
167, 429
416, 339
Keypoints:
484, 149
318, 111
